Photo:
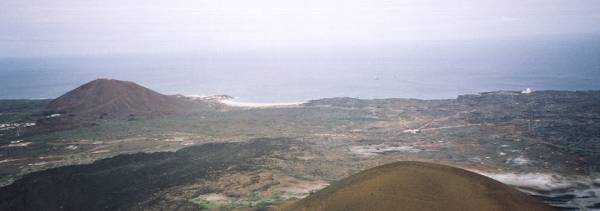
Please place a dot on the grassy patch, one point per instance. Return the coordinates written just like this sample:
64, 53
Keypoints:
203, 205
254, 201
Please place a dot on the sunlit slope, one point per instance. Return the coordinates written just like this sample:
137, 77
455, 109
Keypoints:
417, 186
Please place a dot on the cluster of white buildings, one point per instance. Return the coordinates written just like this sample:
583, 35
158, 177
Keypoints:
9, 126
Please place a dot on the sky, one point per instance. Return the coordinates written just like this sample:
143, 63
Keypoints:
39, 28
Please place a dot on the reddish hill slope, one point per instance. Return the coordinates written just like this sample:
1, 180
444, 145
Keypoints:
115, 97
418, 186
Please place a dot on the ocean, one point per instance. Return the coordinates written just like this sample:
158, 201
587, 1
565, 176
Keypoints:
425, 70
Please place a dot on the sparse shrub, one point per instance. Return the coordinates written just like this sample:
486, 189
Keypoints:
203, 206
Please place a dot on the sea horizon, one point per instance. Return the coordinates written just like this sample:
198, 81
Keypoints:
420, 70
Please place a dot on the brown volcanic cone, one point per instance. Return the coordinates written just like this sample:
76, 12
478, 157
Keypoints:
114, 97
418, 186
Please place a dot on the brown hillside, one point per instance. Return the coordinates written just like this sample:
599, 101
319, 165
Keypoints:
114, 97
418, 186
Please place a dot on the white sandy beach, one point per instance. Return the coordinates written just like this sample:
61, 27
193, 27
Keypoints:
259, 105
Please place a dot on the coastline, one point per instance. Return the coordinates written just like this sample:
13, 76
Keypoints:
233, 103
229, 101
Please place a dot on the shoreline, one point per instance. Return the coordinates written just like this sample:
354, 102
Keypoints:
234, 103
230, 101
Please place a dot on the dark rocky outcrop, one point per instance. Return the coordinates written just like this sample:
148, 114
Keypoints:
130, 182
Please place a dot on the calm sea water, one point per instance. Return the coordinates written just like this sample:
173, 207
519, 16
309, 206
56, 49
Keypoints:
410, 70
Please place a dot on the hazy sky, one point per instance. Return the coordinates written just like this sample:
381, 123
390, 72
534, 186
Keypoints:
76, 27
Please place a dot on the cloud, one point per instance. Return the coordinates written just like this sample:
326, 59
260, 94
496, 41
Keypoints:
71, 26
